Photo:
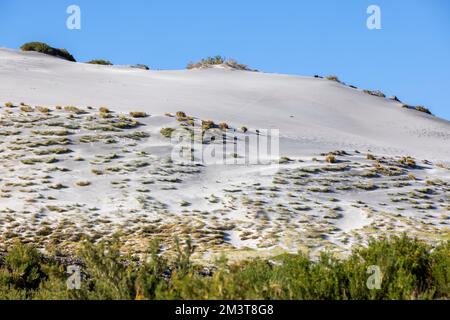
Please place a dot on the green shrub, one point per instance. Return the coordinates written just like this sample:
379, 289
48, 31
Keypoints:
22, 267
440, 270
110, 277
100, 62
423, 109
410, 269
418, 108
45, 48
375, 93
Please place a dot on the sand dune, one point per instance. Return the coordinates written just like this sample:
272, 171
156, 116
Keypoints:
66, 173
313, 114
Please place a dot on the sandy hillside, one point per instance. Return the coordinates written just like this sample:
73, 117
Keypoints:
317, 114
70, 172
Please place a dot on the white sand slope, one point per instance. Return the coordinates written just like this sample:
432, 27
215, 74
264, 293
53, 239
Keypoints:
314, 115
65, 174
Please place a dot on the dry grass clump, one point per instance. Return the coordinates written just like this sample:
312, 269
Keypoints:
331, 158
9, 105
408, 162
104, 113
60, 133
218, 60
58, 186
73, 109
371, 157
44, 152
224, 126
442, 165
42, 109
138, 114
33, 161
125, 123
207, 124
26, 109
375, 93
181, 114
332, 78
231, 63
390, 171
185, 203
411, 176
167, 132
369, 186
97, 172
208, 62
83, 183
9, 133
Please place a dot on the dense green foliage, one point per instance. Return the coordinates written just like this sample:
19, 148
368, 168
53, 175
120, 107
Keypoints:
410, 269
45, 48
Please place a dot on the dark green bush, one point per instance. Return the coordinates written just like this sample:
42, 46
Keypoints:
45, 48
22, 268
410, 269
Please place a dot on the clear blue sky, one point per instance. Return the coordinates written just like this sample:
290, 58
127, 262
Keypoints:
409, 57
